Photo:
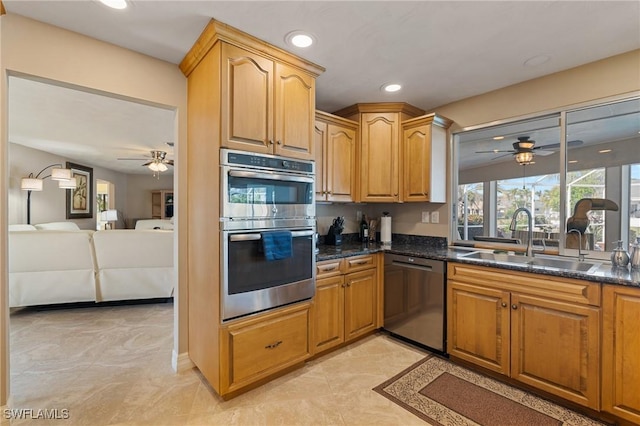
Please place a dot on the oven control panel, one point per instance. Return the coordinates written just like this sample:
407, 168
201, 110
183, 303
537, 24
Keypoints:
270, 162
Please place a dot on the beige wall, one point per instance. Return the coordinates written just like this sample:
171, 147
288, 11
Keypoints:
139, 189
37, 49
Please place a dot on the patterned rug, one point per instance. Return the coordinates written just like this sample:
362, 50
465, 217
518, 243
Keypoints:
442, 393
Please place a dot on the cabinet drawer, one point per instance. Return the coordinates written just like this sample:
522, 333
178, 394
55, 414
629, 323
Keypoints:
359, 263
264, 347
328, 268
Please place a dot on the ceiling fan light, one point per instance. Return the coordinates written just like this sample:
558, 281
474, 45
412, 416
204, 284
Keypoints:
524, 158
154, 166
162, 167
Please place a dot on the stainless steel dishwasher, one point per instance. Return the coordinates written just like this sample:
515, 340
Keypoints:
414, 300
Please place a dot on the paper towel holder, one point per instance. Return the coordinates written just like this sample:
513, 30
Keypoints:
385, 229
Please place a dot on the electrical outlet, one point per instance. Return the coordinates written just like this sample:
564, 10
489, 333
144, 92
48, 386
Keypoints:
425, 217
358, 216
435, 217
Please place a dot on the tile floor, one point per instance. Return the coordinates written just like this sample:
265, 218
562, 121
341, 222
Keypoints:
112, 366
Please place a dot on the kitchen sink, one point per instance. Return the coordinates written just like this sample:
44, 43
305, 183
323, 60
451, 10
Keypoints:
550, 263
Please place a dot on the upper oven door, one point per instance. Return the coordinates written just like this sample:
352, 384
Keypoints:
258, 194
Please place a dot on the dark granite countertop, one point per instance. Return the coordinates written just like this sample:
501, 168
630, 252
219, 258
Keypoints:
436, 248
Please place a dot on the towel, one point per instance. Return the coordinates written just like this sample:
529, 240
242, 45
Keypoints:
276, 245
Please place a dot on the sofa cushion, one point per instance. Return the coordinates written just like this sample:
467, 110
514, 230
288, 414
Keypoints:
165, 224
22, 227
58, 226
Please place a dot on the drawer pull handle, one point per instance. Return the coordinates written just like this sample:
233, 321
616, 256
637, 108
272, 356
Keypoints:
361, 262
274, 345
332, 268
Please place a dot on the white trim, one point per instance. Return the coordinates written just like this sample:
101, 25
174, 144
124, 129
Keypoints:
181, 362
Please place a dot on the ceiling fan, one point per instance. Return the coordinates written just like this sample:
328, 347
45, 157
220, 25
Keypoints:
524, 150
158, 162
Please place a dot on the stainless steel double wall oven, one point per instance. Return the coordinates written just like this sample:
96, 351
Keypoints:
259, 194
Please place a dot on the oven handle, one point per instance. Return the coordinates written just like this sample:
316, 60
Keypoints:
270, 176
254, 236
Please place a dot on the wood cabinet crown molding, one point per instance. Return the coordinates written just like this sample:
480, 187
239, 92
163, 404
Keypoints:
2, 10
380, 107
321, 115
428, 119
217, 31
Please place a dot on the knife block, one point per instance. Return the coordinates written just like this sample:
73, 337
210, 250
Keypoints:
332, 238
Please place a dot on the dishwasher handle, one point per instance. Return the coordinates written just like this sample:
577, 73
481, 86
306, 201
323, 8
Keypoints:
412, 266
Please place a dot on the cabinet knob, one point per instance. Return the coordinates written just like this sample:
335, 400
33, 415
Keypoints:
270, 142
279, 142
329, 192
504, 304
514, 306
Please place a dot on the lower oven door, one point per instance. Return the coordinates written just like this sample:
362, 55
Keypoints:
251, 283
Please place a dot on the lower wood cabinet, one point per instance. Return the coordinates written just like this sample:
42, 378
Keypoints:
543, 331
255, 348
621, 352
346, 304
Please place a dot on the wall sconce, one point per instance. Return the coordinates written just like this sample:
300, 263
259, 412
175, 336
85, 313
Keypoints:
35, 182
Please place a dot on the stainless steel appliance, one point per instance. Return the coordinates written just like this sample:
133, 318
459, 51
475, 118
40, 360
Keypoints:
259, 194
414, 300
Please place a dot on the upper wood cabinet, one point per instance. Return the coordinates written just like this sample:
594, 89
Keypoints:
621, 352
424, 148
336, 142
380, 148
268, 107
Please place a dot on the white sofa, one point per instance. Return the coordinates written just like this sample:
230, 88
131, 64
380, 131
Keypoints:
134, 264
49, 267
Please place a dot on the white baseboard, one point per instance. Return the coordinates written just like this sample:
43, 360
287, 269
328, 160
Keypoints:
181, 362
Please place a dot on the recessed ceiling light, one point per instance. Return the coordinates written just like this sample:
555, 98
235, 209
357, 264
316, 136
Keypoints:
536, 60
299, 39
391, 87
498, 138
115, 4
604, 151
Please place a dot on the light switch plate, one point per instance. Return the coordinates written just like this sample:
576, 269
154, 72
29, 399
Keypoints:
425, 217
435, 217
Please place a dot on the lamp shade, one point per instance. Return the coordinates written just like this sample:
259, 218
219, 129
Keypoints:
31, 184
111, 215
162, 167
61, 174
68, 184
524, 158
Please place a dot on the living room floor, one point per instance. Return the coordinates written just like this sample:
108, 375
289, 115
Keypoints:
112, 366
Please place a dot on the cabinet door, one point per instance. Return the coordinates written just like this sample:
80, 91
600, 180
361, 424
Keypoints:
478, 325
328, 313
320, 137
360, 302
341, 163
417, 162
555, 347
247, 100
295, 111
621, 352
379, 160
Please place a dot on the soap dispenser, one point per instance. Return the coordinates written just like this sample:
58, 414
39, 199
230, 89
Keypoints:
619, 256
635, 254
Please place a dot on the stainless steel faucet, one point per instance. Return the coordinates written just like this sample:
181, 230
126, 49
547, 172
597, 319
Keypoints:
580, 254
512, 227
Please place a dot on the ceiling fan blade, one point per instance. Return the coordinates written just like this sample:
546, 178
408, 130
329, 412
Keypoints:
544, 153
501, 156
169, 162
136, 159
147, 163
494, 151
576, 142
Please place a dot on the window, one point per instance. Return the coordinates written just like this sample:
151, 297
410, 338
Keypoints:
583, 161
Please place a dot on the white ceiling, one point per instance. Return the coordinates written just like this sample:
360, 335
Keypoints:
440, 51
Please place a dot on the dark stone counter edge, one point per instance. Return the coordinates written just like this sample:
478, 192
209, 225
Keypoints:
605, 274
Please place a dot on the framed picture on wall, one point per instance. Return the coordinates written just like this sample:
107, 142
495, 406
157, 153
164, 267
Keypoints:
80, 199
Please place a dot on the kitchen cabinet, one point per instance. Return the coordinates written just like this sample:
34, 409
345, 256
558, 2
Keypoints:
336, 142
540, 330
254, 348
162, 204
424, 151
380, 151
346, 304
242, 93
267, 106
621, 352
